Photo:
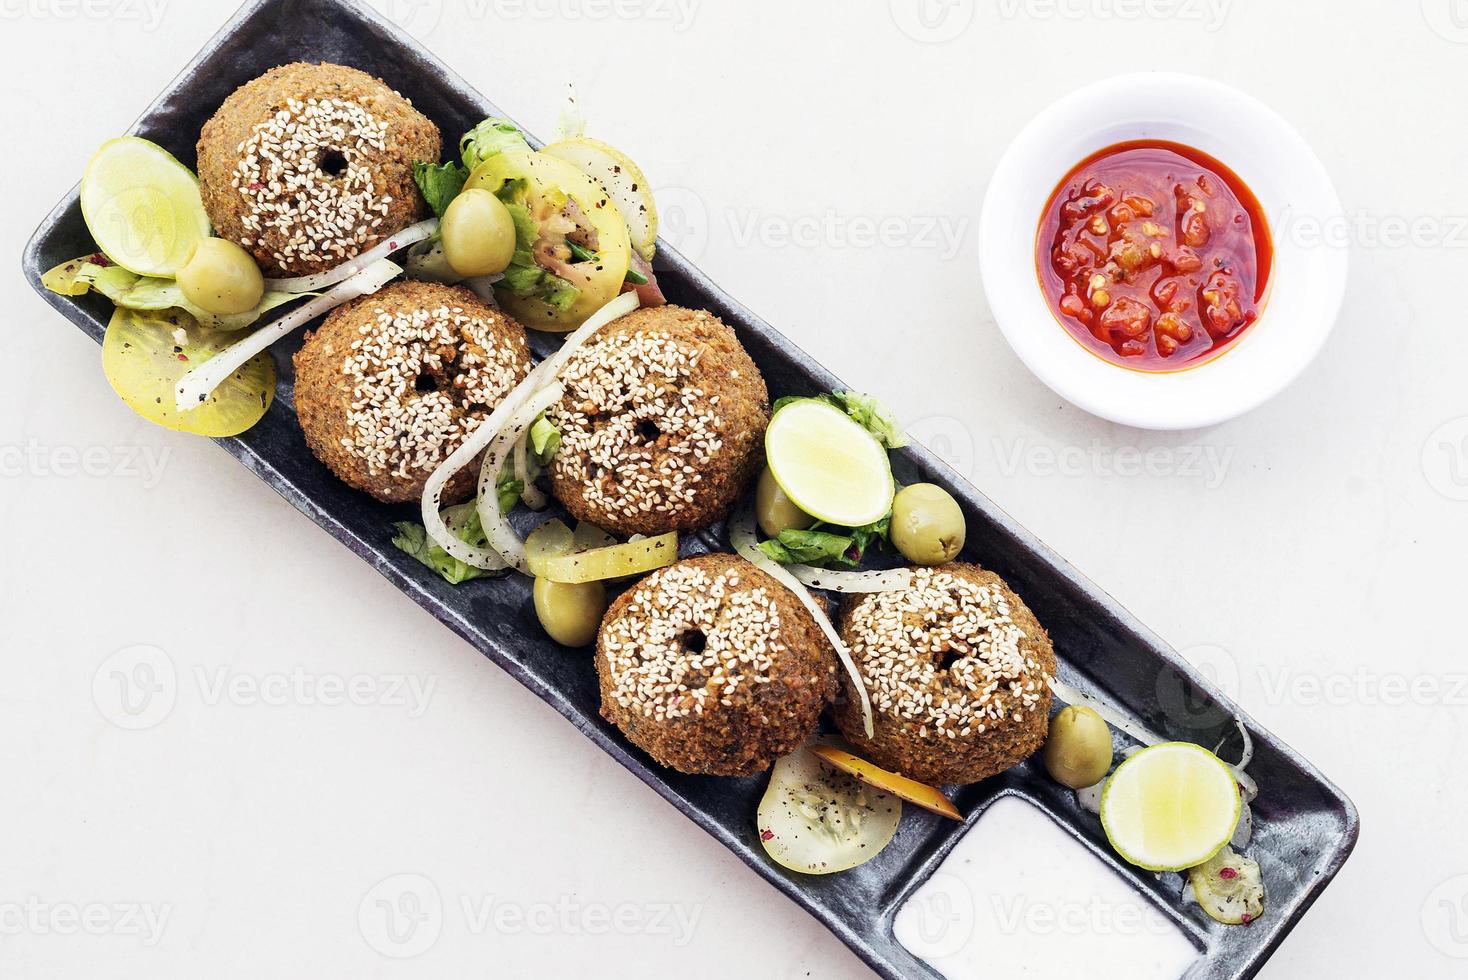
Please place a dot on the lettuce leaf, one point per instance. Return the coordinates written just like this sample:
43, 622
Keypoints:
545, 439
463, 521
524, 277
439, 183
839, 548
491, 137
133, 292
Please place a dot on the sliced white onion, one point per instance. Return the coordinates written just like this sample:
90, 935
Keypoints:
411, 235
1113, 717
530, 494
486, 431
483, 287
746, 542
1248, 755
1244, 832
502, 535
856, 583
831, 580
197, 385
1089, 798
1248, 789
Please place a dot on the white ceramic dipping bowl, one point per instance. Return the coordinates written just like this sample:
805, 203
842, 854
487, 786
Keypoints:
1306, 282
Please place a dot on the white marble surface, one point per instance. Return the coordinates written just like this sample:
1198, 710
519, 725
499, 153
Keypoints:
1309, 554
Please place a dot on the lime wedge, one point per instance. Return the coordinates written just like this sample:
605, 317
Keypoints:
828, 465
1170, 807
142, 207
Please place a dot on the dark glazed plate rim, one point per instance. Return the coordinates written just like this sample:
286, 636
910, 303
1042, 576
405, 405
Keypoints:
1095, 637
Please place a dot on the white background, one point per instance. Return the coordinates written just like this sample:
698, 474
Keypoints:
1316, 570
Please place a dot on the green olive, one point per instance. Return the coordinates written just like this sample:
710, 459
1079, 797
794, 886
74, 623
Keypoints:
1078, 752
221, 277
927, 524
571, 614
478, 234
775, 511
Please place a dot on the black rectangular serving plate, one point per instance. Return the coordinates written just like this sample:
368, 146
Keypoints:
1305, 827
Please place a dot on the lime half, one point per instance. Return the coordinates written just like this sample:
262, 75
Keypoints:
142, 207
828, 465
1170, 807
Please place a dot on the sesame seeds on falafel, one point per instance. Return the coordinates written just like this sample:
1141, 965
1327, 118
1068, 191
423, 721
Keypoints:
641, 384
390, 384
662, 423
397, 435
310, 165
902, 637
711, 667
957, 669
327, 212
660, 674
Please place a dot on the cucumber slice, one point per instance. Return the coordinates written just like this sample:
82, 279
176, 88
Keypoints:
816, 819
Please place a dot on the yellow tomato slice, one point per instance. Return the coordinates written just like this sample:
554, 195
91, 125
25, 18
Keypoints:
146, 353
549, 184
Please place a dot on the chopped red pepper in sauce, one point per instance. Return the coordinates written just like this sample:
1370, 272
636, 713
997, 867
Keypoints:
1154, 255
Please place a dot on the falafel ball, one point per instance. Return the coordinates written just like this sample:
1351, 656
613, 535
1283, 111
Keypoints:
392, 383
713, 668
662, 425
308, 166
957, 669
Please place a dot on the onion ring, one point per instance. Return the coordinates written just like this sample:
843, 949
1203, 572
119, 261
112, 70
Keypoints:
411, 235
746, 542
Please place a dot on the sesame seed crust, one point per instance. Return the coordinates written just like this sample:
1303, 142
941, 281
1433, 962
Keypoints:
713, 668
308, 166
957, 669
392, 383
662, 426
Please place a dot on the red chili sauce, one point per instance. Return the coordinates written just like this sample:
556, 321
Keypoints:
1155, 256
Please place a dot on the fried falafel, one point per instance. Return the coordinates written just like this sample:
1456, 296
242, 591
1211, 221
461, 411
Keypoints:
392, 383
308, 166
713, 668
957, 669
662, 424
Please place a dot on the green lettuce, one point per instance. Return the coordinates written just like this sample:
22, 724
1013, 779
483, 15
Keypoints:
463, 522
134, 292
524, 277
545, 439
491, 137
439, 183
841, 548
